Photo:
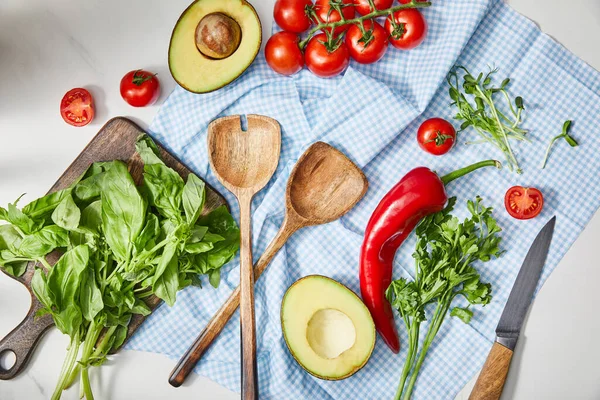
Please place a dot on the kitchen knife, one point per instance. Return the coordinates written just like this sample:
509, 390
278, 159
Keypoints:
491, 380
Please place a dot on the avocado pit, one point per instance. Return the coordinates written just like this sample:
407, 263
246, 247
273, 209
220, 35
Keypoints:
218, 36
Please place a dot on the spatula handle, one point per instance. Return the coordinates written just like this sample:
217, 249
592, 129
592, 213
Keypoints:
491, 380
216, 325
247, 321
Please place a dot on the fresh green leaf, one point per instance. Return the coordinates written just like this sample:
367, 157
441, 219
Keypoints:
214, 277
464, 314
43, 207
67, 214
167, 284
22, 221
44, 241
123, 211
90, 296
193, 197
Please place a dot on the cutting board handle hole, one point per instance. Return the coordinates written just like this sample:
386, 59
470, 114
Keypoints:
8, 359
244, 122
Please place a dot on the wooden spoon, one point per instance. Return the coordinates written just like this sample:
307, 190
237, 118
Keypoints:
323, 186
244, 161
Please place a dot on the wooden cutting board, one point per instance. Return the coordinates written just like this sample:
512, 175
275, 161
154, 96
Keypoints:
115, 141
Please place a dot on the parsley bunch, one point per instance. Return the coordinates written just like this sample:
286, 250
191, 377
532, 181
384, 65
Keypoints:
445, 253
122, 243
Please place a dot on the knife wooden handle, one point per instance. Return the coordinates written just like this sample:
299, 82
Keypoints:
491, 380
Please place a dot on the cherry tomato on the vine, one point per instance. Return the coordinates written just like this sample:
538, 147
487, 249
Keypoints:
283, 54
523, 203
363, 7
291, 15
325, 13
367, 47
77, 107
436, 136
140, 88
407, 29
324, 62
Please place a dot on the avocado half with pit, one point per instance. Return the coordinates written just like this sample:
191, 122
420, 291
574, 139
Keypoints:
213, 43
327, 328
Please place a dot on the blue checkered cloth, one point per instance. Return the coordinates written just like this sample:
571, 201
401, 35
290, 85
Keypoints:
372, 113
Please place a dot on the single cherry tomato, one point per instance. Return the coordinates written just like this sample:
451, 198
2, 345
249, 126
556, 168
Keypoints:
326, 14
283, 54
407, 29
291, 15
364, 7
324, 62
77, 107
367, 47
140, 88
436, 136
523, 203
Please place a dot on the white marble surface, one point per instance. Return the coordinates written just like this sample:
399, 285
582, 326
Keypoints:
48, 47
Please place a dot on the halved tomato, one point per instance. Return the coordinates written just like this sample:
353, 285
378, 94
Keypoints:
77, 107
523, 203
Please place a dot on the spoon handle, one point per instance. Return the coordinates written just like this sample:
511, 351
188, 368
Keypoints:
247, 321
216, 325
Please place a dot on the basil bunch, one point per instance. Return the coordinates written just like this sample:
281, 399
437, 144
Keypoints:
122, 244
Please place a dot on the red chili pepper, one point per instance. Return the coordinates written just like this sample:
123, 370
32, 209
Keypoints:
420, 193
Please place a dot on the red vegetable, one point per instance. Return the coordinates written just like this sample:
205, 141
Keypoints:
421, 192
77, 107
327, 14
291, 16
283, 54
364, 7
436, 136
140, 88
367, 47
523, 203
323, 61
407, 29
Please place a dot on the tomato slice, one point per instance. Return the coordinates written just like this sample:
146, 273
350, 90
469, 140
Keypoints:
523, 203
77, 107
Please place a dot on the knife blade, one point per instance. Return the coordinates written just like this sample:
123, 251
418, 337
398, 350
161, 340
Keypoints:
490, 382
519, 300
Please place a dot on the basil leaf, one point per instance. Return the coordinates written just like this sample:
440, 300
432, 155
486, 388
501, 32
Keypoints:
22, 221
63, 282
90, 297
43, 242
43, 207
123, 211
165, 260
168, 283
147, 237
67, 214
200, 247
164, 187
193, 198
214, 277
91, 218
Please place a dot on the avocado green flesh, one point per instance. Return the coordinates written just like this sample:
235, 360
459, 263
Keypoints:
198, 73
327, 328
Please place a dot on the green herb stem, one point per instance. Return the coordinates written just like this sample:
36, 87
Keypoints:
446, 179
566, 136
359, 20
68, 364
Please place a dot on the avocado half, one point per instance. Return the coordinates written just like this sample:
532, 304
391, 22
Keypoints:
199, 73
327, 328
